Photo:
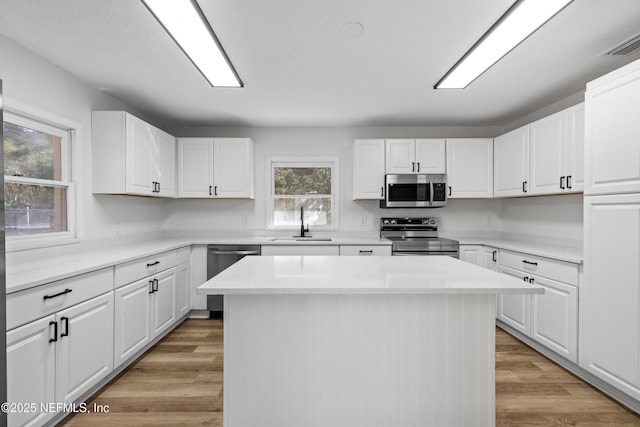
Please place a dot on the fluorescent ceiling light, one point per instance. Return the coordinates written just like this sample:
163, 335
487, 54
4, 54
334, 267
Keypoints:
186, 24
518, 23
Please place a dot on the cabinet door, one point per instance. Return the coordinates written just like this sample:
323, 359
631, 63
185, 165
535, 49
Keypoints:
547, 142
490, 258
198, 275
511, 163
195, 167
430, 156
574, 154
163, 311
368, 169
166, 164
514, 309
470, 167
400, 155
182, 290
132, 319
612, 139
233, 171
471, 254
610, 294
140, 156
84, 352
31, 370
554, 317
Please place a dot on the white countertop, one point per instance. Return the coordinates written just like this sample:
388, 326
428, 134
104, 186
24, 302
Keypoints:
540, 248
360, 275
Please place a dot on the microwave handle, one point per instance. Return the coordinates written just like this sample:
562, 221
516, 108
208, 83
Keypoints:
430, 193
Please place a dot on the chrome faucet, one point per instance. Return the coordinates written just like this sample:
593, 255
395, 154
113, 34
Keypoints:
303, 229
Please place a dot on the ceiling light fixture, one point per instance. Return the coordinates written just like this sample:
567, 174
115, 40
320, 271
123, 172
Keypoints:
519, 22
187, 25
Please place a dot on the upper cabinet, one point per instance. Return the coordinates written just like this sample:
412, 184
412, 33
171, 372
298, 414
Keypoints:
368, 169
216, 168
470, 167
511, 163
415, 156
131, 156
557, 153
612, 154
544, 157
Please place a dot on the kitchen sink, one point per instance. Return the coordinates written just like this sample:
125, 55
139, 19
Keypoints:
300, 239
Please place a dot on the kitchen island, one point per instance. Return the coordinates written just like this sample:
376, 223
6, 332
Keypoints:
359, 341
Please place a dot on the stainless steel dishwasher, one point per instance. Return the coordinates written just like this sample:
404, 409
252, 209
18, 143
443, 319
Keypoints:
219, 258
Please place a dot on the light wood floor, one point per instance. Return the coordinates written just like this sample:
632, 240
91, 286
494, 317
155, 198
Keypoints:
179, 383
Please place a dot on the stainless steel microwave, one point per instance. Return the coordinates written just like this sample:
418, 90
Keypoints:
415, 191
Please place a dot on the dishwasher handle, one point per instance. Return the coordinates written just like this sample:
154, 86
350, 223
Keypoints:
223, 252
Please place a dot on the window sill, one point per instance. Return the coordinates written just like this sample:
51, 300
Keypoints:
23, 243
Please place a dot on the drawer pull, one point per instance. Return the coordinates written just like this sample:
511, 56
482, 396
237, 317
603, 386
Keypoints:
526, 278
153, 263
529, 262
366, 252
55, 331
531, 280
66, 326
66, 291
494, 256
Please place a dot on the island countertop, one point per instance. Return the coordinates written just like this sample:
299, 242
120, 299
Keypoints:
360, 275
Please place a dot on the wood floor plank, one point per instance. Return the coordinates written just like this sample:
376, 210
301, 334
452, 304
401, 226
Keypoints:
179, 382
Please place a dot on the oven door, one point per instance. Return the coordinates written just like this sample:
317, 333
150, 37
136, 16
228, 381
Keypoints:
408, 191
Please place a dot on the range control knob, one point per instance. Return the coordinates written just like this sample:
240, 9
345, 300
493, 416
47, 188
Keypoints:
432, 221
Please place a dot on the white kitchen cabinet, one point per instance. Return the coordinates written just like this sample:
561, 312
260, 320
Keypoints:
84, 353
514, 309
612, 139
557, 153
550, 318
470, 167
368, 169
31, 365
216, 168
365, 250
511, 163
143, 310
300, 250
132, 320
425, 155
198, 275
490, 258
472, 254
610, 296
59, 357
130, 156
183, 288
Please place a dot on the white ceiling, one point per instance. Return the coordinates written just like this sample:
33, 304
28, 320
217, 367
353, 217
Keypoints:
302, 65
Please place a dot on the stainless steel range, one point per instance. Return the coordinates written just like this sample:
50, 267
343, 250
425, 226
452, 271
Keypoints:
417, 236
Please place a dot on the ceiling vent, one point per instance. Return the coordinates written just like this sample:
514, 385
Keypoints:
626, 46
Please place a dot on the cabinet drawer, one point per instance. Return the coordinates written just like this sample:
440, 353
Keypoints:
142, 267
300, 250
28, 305
558, 270
376, 250
184, 255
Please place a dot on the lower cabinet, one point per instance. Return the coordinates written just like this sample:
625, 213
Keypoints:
481, 255
143, 310
183, 290
550, 318
58, 358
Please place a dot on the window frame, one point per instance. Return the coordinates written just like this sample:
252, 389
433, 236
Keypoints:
303, 162
67, 134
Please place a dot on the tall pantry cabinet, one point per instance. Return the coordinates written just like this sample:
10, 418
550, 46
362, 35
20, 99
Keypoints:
610, 299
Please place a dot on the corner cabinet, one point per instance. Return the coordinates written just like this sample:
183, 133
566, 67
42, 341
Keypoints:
470, 167
425, 155
368, 169
216, 168
130, 156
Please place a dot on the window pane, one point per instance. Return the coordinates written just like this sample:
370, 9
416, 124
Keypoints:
31, 153
317, 211
302, 181
33, 209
